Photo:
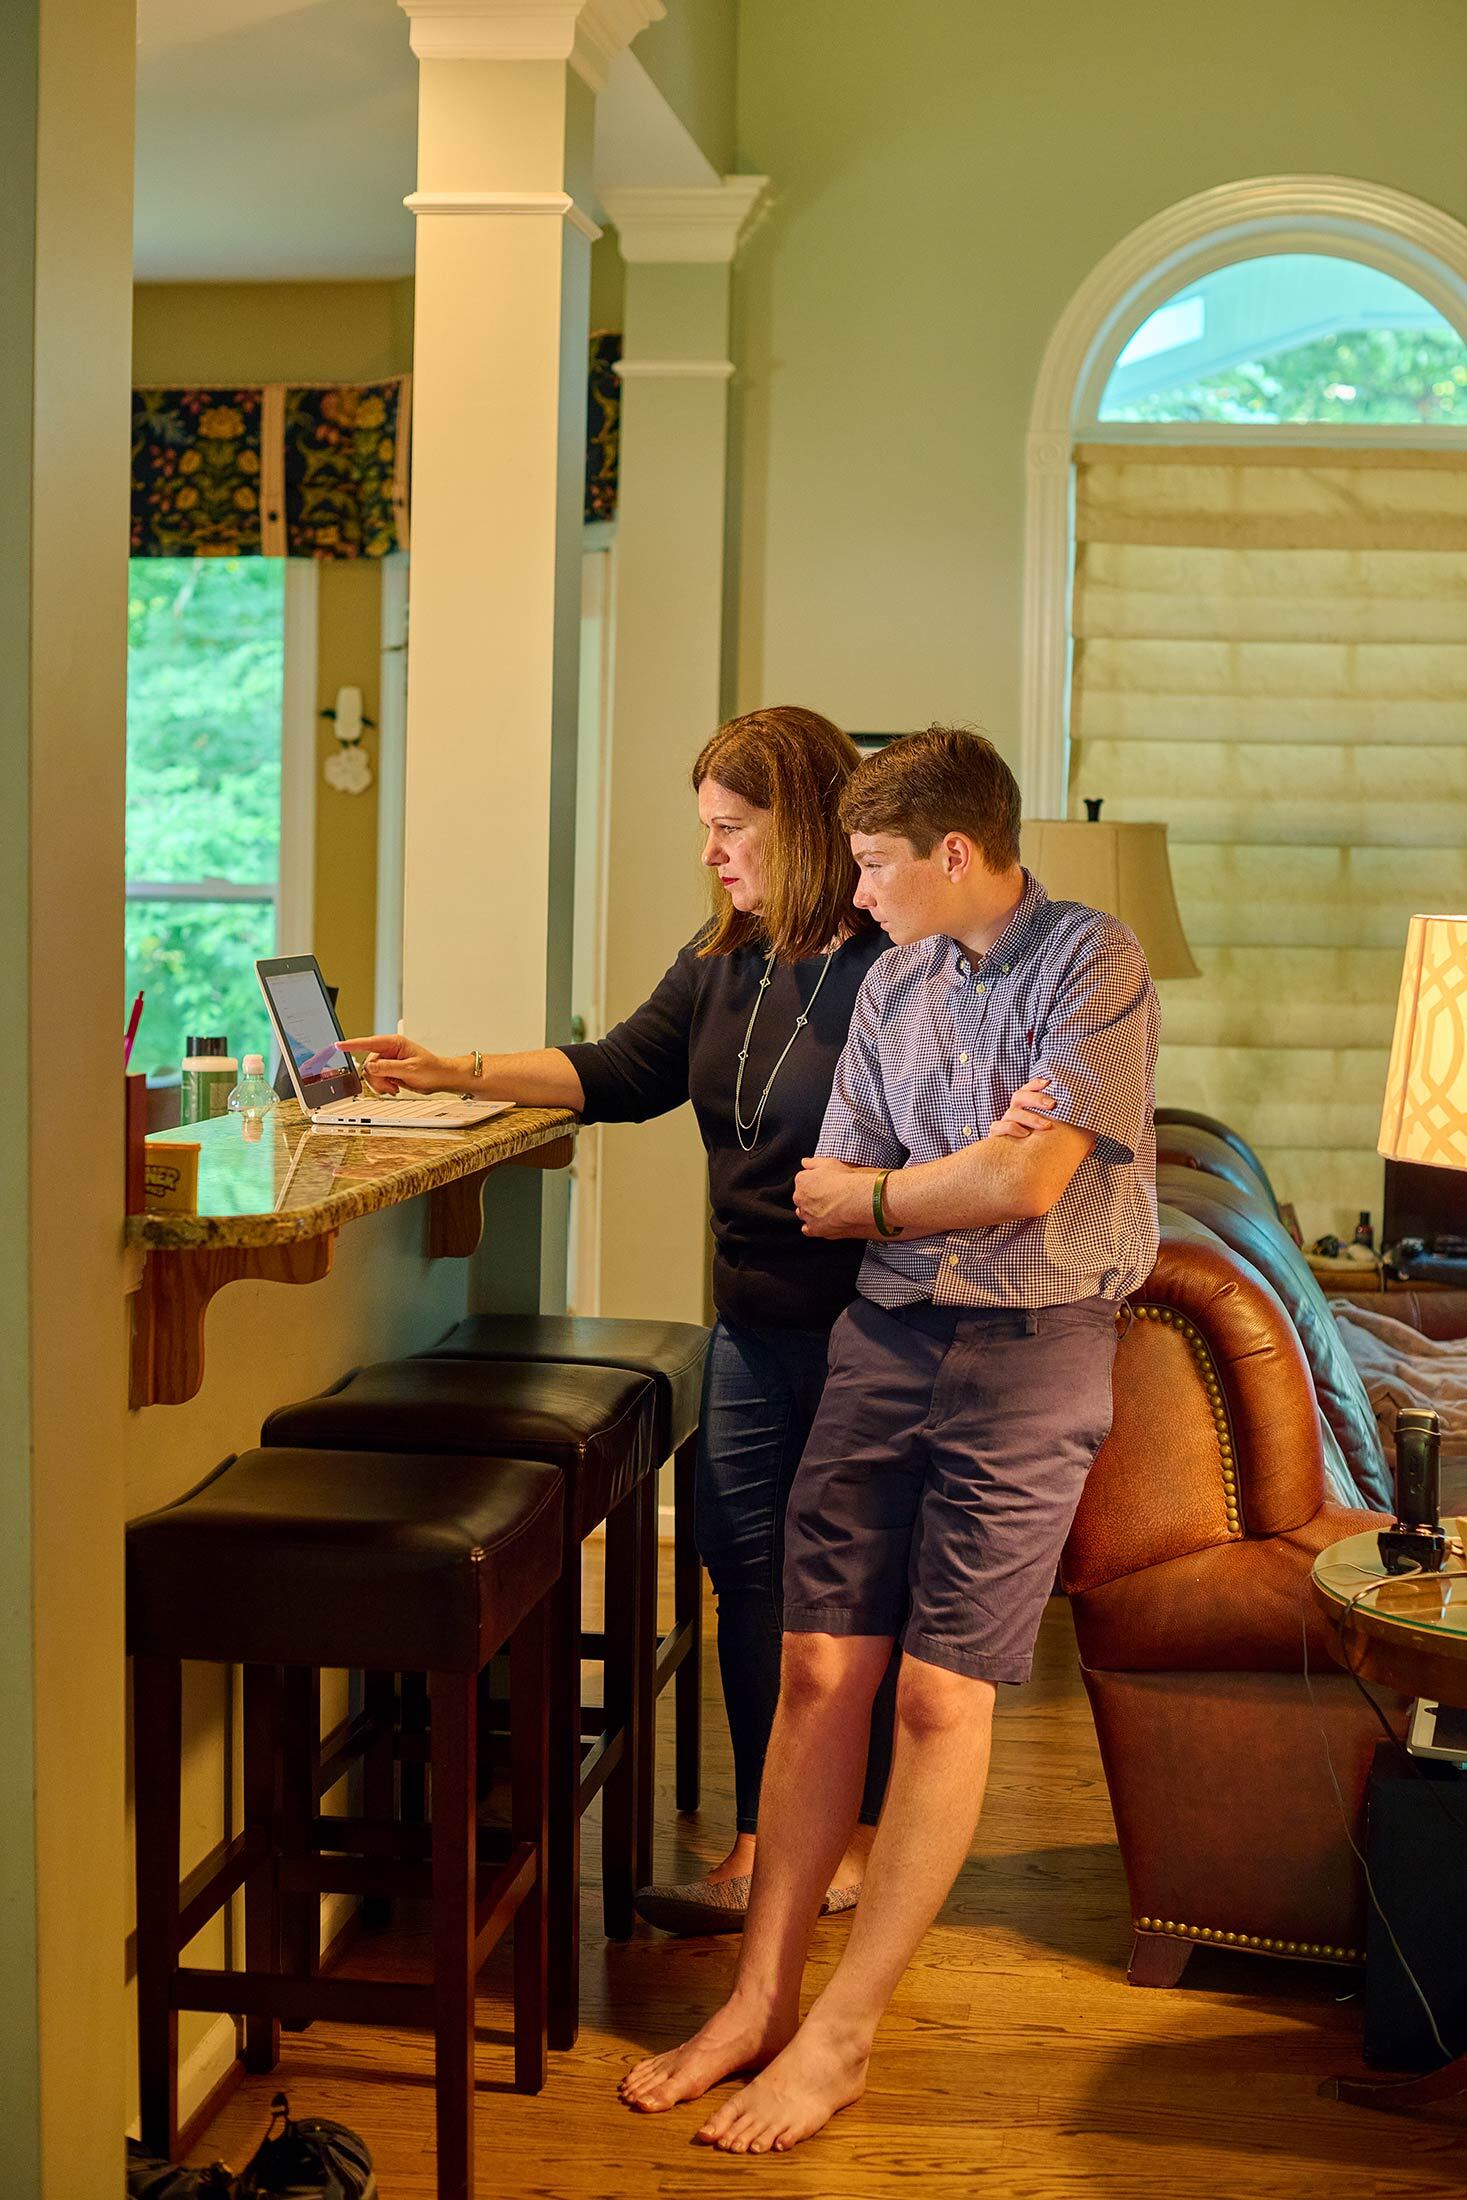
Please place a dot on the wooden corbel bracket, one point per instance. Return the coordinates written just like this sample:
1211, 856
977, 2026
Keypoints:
173, 1296
456, 1211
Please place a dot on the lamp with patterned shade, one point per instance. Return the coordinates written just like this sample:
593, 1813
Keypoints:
1425, 1114
1122, 869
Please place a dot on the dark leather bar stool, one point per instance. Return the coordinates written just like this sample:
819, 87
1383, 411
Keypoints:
672, 1355
286, 1561
597, 1425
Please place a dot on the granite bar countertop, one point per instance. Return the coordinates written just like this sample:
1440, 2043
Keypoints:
293, 1183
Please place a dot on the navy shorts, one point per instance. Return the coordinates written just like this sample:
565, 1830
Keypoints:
937, 1487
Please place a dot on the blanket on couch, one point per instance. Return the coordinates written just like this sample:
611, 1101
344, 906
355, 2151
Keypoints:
1399, 1367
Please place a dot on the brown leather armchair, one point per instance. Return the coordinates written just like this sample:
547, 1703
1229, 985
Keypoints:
1172, 1122
1188, 1144
1358, 1471
1187, 1569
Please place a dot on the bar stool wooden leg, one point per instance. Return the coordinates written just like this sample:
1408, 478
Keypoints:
687, 1575
625, 1543
455, 1846
412, 1785
529, 1696
563, 1872
158, 1766
300, 1764
643, 1741
379, 1791
261, 1824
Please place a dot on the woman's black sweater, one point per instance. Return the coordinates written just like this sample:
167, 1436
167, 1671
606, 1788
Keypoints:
683, 1044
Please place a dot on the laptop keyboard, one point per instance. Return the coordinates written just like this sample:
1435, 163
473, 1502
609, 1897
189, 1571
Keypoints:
430, 1107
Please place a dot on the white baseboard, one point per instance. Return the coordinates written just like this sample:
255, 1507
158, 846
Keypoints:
210, 2063
337, 1912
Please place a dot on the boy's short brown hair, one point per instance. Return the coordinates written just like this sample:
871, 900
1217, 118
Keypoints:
946, 780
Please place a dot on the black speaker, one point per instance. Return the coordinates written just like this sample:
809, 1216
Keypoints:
1424, 1203
1416, 1844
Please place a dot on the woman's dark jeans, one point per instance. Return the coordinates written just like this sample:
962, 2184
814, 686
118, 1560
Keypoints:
760, 1390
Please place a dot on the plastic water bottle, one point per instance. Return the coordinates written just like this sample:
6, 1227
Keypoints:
253, 1097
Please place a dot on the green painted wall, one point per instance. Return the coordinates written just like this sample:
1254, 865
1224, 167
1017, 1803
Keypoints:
947, 173
691, 56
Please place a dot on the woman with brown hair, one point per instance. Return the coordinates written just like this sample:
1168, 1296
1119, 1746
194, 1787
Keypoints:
748, 1024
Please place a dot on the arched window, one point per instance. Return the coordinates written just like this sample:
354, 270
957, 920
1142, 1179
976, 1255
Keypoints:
1248, 618
1290, 339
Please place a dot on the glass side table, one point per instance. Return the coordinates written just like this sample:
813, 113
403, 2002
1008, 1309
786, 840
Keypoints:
1406, 1631
1409, 1632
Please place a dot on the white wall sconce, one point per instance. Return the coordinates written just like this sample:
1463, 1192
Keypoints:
348, 768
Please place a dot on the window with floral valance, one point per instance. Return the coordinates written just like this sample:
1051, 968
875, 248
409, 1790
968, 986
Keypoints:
315, 470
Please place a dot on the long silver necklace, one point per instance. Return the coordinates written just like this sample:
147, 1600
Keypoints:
748, 1133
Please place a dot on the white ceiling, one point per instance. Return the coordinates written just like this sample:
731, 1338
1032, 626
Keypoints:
277, 139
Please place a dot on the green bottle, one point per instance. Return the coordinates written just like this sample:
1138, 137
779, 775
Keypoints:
209, 1071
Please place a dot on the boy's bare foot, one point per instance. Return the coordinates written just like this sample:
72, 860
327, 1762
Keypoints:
739, 2037
794, 2097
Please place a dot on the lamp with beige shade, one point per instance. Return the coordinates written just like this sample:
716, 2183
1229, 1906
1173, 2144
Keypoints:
1424, 1118
1122, 869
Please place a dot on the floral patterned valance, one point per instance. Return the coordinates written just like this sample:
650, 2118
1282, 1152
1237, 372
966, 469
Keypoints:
311, 470
603, 425
314, 471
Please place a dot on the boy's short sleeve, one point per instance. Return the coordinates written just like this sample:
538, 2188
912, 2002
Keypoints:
1098, 1043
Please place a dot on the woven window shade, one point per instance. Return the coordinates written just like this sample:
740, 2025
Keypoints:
1271, 657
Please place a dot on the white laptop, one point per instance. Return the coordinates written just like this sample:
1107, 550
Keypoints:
327, 1081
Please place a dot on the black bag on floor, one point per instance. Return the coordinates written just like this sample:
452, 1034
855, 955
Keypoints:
149, 2177
308, 2158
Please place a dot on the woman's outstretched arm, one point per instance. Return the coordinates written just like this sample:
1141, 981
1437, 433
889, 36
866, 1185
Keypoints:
542, 1077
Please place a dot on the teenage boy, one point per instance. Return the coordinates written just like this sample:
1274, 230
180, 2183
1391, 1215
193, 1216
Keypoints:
969, 1390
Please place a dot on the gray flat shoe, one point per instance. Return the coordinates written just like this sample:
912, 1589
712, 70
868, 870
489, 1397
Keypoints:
697, 1906
717, 1905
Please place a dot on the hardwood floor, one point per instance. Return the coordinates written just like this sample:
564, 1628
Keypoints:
1015, 2061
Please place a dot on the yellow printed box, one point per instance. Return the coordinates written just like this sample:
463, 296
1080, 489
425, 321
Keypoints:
171, 1182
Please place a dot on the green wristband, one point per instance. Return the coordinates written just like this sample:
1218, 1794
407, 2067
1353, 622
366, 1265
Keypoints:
878, 1207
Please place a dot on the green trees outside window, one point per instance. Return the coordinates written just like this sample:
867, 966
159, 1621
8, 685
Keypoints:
206, 663
1364, 378
1292, 339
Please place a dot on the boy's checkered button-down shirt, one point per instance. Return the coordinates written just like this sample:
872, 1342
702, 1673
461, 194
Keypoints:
940, 1042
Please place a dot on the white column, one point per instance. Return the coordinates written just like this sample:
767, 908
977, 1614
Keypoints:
506, 112
66, 155
506, 108
675, 372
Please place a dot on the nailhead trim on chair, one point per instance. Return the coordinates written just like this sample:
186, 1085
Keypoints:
1211, 1383
1317, 1950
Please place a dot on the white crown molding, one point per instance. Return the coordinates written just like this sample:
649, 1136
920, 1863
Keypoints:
558, 203
674, 370
1386, 229
688, 226
605, 29
586, 33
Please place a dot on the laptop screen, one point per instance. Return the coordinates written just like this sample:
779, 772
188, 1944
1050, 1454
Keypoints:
307, 1029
